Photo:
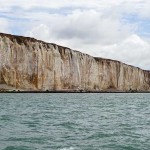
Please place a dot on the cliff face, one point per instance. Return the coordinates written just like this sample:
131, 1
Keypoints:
29, 64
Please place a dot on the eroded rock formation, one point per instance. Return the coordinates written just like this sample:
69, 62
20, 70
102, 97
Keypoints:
29, 64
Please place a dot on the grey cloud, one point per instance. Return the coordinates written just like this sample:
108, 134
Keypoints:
89, 26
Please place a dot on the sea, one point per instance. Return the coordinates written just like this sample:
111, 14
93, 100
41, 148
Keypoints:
74, 121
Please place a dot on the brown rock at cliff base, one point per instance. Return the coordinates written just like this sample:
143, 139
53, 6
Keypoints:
30, 64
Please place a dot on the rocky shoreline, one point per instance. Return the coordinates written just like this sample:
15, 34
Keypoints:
70, 91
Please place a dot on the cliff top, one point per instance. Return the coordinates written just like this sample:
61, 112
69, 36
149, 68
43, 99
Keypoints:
25, 40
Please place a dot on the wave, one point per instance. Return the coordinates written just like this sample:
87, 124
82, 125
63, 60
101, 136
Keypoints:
69, 148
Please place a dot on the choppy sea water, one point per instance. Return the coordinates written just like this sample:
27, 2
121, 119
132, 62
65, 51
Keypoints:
74, 121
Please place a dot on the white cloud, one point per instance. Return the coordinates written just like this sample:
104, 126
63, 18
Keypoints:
58, 4
133, 50
137, 7
86, 26
40, 32
4, 26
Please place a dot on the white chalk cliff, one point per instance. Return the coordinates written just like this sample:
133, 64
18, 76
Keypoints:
30, 64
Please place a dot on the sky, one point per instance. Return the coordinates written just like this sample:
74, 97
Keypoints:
113, 29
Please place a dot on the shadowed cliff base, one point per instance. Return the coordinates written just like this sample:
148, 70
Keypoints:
70, 91
32, 65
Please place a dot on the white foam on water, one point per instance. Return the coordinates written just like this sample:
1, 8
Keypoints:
69, 148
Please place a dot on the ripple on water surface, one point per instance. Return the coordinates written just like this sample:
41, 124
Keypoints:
74, 121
